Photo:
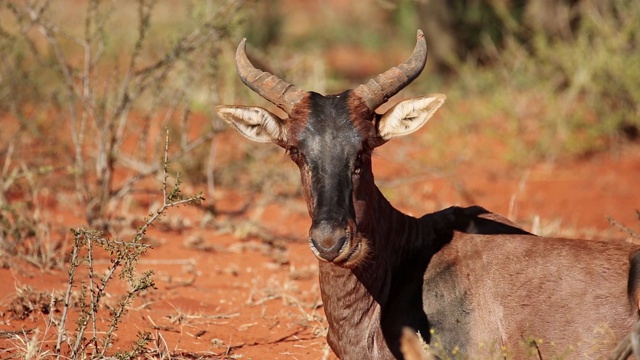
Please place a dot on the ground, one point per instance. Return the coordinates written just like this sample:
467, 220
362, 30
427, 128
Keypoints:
244, 284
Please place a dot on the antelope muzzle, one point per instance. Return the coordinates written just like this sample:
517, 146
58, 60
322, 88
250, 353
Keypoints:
333, 241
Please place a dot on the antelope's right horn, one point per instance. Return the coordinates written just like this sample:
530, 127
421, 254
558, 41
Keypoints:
281, 93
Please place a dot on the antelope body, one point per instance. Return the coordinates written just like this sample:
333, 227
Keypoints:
468, 280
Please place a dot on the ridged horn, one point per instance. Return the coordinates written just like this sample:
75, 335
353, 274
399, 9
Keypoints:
279, 92
377, 91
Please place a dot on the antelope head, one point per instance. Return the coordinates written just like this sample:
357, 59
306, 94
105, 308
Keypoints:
331, 139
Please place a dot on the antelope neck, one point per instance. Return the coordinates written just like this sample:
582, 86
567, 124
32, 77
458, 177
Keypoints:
357, 300
394, 237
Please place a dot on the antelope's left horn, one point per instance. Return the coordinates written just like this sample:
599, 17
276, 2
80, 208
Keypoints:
377, 91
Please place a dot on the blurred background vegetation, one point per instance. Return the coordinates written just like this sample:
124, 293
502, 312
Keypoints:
549, 78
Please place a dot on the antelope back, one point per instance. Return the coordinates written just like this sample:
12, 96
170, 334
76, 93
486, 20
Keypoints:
530, 295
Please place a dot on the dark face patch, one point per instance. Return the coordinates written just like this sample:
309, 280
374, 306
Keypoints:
330, 148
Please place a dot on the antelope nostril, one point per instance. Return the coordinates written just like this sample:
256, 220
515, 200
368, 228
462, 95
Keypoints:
329, 250
327, 240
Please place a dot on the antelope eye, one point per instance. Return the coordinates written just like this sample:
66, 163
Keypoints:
293, 151
357, 165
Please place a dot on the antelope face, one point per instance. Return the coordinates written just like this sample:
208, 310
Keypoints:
332, 153
331, 139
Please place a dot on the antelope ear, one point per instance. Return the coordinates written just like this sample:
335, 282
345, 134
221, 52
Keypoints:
254, 122
408, 116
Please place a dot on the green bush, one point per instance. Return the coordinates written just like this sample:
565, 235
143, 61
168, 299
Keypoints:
579, 93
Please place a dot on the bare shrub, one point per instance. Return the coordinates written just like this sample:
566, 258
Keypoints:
115, 79
124, 255
23, 231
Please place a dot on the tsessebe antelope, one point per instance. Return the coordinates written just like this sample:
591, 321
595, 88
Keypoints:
468, 280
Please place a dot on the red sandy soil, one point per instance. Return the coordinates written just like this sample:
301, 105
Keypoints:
248, 289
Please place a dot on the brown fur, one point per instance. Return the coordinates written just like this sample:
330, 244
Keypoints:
363, 120
297, 119
530, 295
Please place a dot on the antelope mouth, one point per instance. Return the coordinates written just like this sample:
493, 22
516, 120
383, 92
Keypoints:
349, 257
350, 253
